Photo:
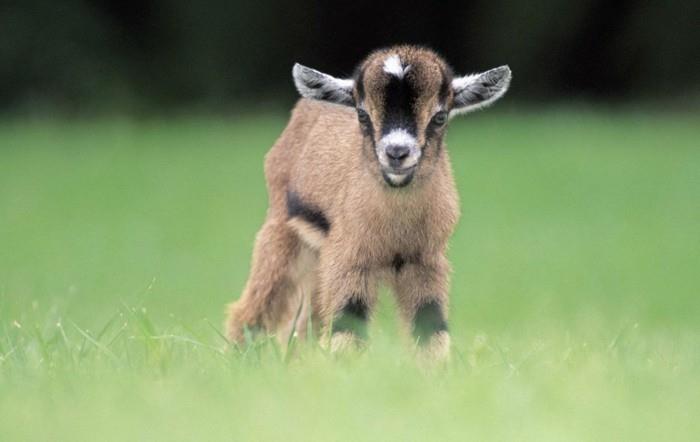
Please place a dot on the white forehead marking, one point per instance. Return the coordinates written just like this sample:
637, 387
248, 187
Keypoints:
398, 137
393, 66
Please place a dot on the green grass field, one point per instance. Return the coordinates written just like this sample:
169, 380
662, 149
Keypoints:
575, 292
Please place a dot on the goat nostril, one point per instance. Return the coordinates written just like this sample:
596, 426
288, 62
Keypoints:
397, 152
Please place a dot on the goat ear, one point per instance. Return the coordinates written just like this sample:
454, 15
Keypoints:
314, 84
473, 92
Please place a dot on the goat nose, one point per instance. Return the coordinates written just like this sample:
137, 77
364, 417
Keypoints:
397, 152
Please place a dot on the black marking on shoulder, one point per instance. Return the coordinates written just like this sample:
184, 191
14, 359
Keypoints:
428, 321
352, 318
309, 213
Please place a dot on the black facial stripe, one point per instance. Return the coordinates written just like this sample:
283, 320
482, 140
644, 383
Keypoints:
309, 213
352, 318
428, 321
399, 105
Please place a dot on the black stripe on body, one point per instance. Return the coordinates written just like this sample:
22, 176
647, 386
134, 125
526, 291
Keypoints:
308, 212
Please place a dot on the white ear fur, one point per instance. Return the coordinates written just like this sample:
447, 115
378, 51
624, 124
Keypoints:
473, 92
314, 84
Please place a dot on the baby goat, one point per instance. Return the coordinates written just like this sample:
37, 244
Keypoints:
361, 192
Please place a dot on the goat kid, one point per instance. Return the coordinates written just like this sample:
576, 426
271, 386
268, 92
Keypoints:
361, 193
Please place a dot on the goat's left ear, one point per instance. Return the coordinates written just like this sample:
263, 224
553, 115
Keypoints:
314, 84
473, 92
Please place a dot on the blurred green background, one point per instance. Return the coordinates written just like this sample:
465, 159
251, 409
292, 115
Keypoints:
132, 139
574, 301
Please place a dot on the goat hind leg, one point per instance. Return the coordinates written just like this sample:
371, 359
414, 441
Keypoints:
266, 293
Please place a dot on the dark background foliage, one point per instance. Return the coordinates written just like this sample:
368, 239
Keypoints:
75, 55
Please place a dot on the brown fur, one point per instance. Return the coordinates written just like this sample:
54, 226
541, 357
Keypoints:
377, 234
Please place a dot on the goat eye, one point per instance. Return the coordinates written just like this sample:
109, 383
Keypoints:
439, 118
363, 117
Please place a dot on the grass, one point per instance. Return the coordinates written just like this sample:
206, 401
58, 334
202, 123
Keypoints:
574, 295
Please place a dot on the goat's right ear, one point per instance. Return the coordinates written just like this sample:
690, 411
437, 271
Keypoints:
314, 84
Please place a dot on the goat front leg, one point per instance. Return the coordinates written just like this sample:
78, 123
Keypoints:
347, 297
421, 289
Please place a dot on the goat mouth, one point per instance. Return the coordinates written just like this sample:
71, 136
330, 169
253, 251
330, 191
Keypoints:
398, 177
